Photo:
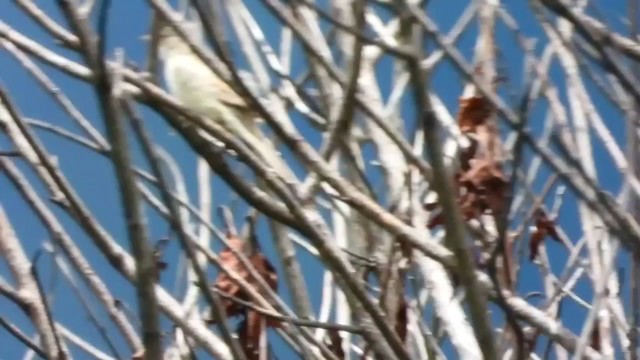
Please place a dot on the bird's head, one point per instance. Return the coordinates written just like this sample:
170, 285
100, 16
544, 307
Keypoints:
169, 42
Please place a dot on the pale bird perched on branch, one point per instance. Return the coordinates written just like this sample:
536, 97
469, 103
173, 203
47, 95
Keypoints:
204, 93
197, 86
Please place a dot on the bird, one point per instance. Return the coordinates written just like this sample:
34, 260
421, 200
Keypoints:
204, 93
200, 89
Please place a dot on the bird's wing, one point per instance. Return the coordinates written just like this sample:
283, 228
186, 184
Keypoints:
229, 97
188, 75
226, 95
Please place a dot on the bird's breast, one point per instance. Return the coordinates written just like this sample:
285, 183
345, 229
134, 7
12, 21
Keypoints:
192, 83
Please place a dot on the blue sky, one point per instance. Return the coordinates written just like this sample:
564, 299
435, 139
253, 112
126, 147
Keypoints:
93, 178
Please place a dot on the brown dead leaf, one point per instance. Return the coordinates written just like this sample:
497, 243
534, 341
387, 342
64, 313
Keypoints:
543, 227
474, 111
227, 285
482, 187
486, 180
250, 331
480, 181
483, 173
268, 272
402, 319
158, 251
595, 336
489, 145
334, 343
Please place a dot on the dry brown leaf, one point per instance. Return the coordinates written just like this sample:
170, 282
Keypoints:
227, 285
158, 252
250, 330
334, 343
483, 173
481, 188
474, 111
402, 319
595, 336
486, 180
543, 227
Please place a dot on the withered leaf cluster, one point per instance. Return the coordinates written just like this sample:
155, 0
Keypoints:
252, 329
543, 228
480, 181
